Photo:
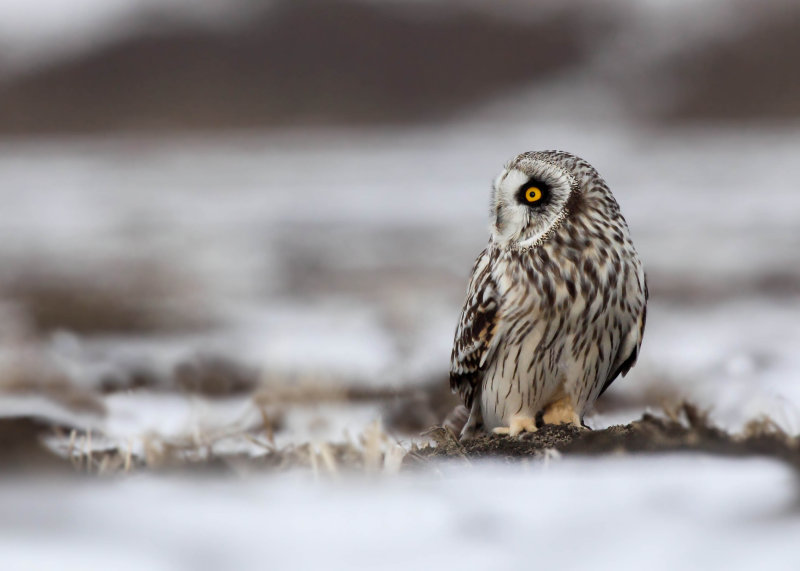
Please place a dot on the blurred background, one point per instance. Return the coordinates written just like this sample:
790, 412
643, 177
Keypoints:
256, 219
234, 234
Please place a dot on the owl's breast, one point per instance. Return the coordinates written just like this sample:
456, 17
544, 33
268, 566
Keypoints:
561, 320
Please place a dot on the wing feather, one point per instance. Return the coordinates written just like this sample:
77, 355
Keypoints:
475, 332
629, 350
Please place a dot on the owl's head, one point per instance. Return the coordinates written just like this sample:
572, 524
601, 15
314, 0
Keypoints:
533, 195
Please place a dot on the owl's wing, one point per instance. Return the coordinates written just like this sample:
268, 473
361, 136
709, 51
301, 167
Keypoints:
476, 329
629, 350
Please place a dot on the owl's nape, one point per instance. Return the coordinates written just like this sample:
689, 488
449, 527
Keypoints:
532, 341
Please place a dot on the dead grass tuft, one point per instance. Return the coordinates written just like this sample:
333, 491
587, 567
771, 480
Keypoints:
374, 453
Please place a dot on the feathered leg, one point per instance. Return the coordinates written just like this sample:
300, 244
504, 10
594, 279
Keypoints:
562, 411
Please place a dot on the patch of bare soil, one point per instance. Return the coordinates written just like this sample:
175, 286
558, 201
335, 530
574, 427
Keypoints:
114, 297
21, 449
687, 429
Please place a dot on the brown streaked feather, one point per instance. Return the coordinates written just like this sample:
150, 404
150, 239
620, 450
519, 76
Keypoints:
475, 332
630, 360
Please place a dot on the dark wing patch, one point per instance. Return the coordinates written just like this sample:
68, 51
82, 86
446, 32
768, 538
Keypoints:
475, 331
629, 361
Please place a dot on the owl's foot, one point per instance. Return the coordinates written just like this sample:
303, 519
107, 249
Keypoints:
518, 424
474, 421
456, 419
562, 412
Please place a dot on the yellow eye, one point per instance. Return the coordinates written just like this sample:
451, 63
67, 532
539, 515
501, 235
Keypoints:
533, 194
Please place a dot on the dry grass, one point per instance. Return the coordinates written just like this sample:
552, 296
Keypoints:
375, 451
249, 444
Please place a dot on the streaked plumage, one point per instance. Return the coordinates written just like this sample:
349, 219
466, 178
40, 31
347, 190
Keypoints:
556, 305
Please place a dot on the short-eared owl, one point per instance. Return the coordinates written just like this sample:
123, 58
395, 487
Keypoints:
556, 305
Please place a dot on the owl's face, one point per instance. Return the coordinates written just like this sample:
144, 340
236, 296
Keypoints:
529, 197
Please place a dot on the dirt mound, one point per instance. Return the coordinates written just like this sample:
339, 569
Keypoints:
686, 430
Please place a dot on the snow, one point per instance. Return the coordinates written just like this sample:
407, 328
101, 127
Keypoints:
676, 512
207, 201
736, 358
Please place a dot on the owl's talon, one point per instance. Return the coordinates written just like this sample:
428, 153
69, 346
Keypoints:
518, 425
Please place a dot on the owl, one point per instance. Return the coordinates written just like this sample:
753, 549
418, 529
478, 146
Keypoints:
556, 304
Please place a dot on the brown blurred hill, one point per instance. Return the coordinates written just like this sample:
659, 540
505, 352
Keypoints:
345, 62
751, 75
303, 62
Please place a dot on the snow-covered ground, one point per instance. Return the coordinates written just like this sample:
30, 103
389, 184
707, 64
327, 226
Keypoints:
675, 512
347, 252
343, 256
